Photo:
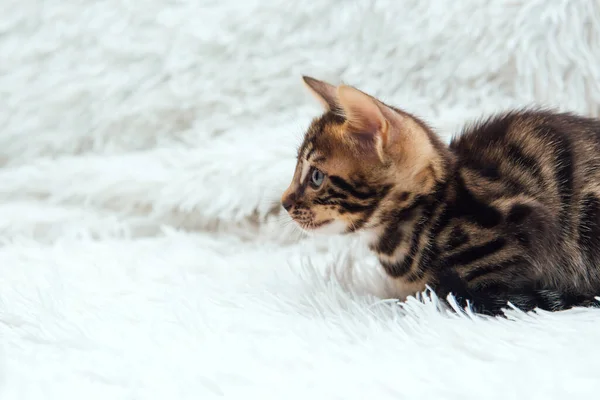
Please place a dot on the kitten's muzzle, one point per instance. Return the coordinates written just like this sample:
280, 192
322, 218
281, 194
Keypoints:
288, 201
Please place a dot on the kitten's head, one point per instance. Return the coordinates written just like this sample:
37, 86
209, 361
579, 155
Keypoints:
357, 161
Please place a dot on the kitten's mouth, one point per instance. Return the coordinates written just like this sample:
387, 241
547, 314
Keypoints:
316, 225
326, 227
311, 226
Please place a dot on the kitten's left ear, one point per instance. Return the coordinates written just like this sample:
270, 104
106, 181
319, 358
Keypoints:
387, 132
365, 116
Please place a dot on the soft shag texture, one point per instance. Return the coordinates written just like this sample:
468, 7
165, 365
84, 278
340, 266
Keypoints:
143, 150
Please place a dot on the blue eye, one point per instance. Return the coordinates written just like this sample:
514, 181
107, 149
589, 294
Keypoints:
316, 179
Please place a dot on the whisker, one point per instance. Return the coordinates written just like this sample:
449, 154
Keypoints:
282, 218
300, 233
352, 226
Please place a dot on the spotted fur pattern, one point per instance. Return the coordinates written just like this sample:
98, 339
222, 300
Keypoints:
509, 211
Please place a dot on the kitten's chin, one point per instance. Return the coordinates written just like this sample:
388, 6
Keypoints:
334, 227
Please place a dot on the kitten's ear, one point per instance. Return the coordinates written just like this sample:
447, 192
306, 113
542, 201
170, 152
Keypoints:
323, 91
365, 116
392, 135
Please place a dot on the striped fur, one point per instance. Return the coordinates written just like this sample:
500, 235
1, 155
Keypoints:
508, 212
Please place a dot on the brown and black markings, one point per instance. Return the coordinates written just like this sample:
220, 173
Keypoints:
509, 211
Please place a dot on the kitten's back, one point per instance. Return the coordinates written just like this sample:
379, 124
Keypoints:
546, 158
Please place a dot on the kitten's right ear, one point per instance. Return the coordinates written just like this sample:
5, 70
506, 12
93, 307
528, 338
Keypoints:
323, 91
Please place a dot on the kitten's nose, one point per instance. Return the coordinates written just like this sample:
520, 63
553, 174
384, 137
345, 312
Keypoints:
288, 202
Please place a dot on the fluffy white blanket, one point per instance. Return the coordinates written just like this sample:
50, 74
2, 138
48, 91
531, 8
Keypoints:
144, 146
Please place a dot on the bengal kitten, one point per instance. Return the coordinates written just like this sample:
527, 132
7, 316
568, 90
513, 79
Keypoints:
509, 211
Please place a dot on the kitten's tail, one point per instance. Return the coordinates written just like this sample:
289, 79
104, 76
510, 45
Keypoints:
528, 299
491, 300
555, 300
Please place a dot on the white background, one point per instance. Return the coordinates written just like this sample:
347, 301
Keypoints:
143, 149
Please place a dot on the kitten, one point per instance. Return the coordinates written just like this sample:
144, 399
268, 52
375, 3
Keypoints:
509, 211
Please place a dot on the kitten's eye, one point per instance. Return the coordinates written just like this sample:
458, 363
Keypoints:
316, 178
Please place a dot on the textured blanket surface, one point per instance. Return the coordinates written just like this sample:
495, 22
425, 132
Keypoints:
143, 149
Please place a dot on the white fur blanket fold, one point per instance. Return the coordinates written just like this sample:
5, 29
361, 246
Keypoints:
143, 148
